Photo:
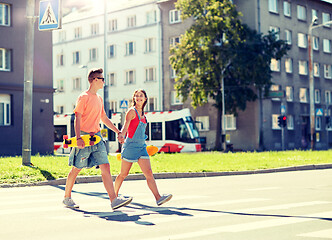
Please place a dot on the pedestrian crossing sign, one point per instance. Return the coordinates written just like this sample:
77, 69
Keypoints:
124, 104
49, 15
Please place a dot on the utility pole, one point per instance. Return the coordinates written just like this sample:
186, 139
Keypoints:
106, 95
28, 83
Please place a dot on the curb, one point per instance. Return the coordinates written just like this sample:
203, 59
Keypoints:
94, 179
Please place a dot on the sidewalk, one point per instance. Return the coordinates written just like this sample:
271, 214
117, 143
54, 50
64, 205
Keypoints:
93, 179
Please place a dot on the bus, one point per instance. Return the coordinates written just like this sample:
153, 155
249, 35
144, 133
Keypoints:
170, 131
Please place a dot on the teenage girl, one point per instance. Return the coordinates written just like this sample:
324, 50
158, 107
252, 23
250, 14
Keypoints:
134, 147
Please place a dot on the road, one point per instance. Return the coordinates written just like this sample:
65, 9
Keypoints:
289, 205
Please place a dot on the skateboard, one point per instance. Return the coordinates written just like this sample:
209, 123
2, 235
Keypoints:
89, 140
152, 150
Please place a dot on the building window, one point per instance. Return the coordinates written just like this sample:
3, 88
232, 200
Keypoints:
275, 121
174, 40
275, 65
317, 96
287, 9
151, 17
130, 77
302, 40
301, 13
316, 69
174, 16
113, 106
273, 6
172, 72
327, 71
176, 100
151, 104
93, 54
303, 68
314, 13
150, 74
111, 51
315, 41
326, 45
60, 60
288, 37
288, 65
303, 95
60, 85
150, 45
112, 79
76, 84
5, 110
113, 25
328, 97
4, 14
290, 122
326, 18
230, 122
94, 29
62, 36
77, 32
131, 21
130, 48
276, 31
318, 123
76, 57
274, 88
5, 59
289, 94
203, 123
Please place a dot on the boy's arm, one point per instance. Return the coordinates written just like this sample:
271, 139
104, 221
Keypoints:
109, 124
77, 125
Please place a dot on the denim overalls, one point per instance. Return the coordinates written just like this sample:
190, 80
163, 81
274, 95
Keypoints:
135, 148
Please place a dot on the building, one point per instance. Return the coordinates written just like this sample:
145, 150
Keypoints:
12, 46
133, 53
291, 19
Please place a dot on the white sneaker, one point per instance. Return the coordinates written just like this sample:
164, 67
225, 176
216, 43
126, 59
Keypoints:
69, 203
164, 198
121, 202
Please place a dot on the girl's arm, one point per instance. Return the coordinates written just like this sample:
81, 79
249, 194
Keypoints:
130, 115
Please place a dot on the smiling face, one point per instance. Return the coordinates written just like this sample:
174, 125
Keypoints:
140, 98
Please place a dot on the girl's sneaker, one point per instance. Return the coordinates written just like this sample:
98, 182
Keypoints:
69, 203
164, 198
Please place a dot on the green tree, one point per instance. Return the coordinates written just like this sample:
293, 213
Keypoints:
218, 46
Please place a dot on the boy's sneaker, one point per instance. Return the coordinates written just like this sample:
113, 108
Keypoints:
164, 198
121, 202
69, 203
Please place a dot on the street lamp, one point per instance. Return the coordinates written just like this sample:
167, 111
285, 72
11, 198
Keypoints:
311, 77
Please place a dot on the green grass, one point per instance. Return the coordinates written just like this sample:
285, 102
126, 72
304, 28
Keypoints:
54, 167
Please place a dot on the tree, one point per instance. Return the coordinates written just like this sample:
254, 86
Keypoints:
218, 45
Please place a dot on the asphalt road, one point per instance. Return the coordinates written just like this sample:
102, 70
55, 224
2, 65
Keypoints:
288, 205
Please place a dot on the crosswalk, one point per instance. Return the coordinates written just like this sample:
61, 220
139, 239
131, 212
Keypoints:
191, 216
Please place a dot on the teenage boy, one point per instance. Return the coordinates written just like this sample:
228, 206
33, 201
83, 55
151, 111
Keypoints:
89, 112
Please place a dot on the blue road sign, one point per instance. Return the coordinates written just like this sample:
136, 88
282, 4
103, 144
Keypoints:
49, 15
123, 104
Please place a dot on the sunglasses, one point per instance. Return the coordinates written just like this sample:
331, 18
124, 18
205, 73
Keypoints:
103, 79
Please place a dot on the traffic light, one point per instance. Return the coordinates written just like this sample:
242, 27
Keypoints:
280, 121
284, 121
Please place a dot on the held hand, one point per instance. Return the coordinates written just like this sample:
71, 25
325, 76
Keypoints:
120, 138
80, 143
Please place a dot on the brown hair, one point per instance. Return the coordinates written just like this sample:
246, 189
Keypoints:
133, 99
93, 73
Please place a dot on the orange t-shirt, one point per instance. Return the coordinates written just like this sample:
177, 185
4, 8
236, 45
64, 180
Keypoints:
92, 109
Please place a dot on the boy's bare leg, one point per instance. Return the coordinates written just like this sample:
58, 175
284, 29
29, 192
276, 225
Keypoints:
107, 180
125, 168
71, 181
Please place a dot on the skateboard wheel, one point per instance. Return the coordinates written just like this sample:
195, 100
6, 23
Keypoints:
65, 137
65, 146
92, 143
